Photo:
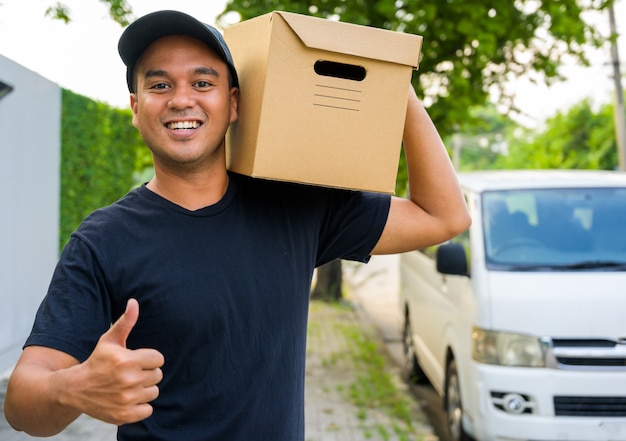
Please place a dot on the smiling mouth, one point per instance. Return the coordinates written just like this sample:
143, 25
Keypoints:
183, 125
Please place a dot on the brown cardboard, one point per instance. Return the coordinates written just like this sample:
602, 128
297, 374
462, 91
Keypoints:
299, 125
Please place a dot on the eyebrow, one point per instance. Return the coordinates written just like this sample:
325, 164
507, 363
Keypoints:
197, 71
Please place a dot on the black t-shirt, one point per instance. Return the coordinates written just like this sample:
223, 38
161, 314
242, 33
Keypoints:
223, 293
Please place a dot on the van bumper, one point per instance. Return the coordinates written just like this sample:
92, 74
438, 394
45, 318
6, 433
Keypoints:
531, 393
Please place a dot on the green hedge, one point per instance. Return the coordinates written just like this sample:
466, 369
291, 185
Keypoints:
99, 154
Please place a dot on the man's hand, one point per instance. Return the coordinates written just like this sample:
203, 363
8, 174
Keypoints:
49, 389
117, 383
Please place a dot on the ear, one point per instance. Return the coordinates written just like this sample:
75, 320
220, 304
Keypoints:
234, 102
134, 105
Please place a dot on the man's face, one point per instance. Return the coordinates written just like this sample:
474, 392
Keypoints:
183, 104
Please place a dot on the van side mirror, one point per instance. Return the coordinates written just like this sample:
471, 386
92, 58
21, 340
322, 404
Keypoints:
451, 259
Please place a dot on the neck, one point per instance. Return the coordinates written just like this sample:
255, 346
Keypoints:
190, 192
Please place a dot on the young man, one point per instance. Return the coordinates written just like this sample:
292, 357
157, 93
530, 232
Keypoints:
205, 274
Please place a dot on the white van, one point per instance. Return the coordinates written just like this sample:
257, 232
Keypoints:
520, 323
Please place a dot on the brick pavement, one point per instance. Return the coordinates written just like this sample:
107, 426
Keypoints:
330, 415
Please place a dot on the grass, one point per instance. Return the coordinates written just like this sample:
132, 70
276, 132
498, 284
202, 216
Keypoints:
373, 388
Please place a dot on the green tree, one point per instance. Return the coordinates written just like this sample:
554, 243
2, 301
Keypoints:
478, 143
579, 138
471, 47
119, 10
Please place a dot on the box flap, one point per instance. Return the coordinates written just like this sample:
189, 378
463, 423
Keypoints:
357, 40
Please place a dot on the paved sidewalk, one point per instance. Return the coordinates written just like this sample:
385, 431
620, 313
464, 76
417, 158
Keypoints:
331, 374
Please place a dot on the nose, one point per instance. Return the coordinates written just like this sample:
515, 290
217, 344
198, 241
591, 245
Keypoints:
182, 98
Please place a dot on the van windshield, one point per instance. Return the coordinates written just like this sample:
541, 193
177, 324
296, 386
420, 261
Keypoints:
555, 229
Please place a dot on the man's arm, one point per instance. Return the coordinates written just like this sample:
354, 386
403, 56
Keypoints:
31, 404
49, 389
435, 210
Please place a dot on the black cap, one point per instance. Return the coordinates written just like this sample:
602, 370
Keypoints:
146, 30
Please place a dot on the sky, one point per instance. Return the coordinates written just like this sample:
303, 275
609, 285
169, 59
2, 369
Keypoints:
82, 56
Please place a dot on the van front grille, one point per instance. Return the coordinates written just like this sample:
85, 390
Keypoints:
589, 354
583, 343
590, 406
587, 361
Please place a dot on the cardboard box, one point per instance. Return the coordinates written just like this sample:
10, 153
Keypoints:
321, 102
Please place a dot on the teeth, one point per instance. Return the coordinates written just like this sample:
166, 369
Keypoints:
183, 125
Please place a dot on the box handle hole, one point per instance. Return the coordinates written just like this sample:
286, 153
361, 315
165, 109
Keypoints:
339, 70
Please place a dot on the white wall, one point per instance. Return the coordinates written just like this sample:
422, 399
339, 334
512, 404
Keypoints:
30, 149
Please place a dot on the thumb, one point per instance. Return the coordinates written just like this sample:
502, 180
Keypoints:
120, 330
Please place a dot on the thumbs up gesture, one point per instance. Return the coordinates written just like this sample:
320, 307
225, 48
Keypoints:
118, 383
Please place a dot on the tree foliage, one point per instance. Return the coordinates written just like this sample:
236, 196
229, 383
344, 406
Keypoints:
470, 46
579, 138
119, 10
477, 146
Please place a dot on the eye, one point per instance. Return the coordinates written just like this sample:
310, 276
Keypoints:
160, 86
202, 84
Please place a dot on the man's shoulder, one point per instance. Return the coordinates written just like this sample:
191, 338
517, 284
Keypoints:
118, 212
286, 190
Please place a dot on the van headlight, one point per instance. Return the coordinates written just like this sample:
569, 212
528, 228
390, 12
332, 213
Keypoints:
506, 349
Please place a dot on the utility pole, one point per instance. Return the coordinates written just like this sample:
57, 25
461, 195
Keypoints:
620, 121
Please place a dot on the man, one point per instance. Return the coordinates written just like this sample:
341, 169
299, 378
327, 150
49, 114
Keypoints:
205, 274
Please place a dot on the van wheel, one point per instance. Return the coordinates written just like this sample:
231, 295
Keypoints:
454, 405
411, 369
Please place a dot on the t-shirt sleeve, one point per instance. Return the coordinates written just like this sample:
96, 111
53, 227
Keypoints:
353, 225
76, 299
